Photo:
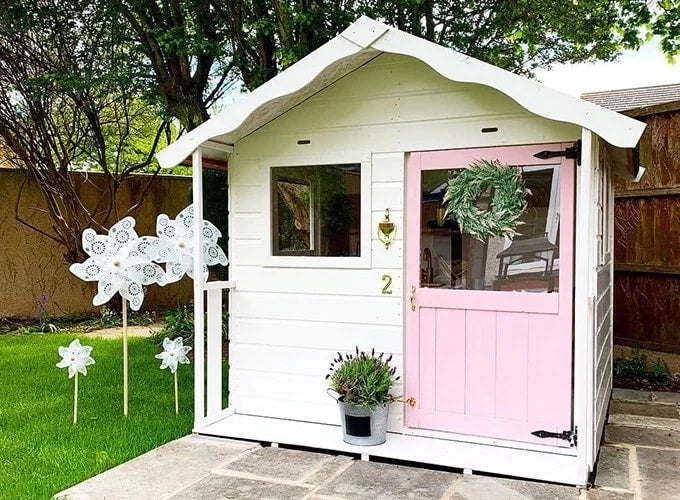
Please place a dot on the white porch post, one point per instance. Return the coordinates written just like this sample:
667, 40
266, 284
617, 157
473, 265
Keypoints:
199, 330
583, 323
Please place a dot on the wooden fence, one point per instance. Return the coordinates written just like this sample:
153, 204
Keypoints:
647, 243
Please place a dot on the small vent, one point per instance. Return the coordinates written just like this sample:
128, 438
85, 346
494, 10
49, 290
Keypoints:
302, 142
489, 130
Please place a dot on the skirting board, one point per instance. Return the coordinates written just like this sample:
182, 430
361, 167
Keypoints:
530, 464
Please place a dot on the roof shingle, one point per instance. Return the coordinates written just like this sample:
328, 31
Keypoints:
635, 98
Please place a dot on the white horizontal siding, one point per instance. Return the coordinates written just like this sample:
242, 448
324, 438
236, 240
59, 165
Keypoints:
321, 335
353, 282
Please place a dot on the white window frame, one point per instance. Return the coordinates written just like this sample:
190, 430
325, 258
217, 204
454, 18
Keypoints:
305, 261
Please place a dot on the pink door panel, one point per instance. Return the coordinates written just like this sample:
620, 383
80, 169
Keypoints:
494, 361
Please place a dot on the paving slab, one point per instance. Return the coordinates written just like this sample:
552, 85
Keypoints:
669, 424
659, 410
613, 468
482, 487
281, 463
645, 396
659, 473
641, 436
328, 469
630, 395
600, 494
380, 481
216, 486
160, 472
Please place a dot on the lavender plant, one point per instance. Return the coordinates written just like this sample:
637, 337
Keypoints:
363, 379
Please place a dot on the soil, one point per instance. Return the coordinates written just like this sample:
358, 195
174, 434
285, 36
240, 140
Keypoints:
644, 384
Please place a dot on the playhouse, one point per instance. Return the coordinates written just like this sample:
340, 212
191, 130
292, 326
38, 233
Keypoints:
338, 238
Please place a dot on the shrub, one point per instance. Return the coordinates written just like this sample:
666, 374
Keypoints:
363, 379
638, 367
179, 322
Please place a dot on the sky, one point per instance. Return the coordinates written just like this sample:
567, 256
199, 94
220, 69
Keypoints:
645, 67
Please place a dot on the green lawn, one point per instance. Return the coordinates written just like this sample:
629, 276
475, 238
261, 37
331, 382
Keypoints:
41, 451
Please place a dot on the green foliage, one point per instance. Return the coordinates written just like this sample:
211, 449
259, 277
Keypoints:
179, 322
41, 451
216, 210
507, 205
637, 366
363, 379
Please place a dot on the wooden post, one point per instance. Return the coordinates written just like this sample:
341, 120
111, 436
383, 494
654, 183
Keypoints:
176, 396
125, 359
75, 401
199, 345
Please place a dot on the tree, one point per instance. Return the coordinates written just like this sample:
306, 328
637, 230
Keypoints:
183, 52
67, 103
268, 35
666, 24
192, 50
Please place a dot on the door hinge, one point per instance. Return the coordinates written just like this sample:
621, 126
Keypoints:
573, 152
570, 436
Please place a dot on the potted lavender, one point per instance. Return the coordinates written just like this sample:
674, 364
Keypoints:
362, 382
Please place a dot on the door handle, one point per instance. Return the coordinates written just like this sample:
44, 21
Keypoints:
413, 297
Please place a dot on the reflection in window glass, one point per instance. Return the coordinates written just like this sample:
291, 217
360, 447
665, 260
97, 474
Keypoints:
529, 261
316, 210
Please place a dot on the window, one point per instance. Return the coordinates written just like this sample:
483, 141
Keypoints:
529, 261
316, 210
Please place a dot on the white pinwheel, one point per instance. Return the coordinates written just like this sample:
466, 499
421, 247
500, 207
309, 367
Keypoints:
174, 353
121, 262
177, 245
76, 358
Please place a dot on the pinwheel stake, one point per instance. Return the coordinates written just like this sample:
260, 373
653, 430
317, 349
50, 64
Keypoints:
174, 353
76, 358
121, 262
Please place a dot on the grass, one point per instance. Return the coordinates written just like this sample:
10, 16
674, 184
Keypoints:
41, 451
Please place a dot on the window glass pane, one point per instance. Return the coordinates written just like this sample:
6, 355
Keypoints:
316, 210
529, 261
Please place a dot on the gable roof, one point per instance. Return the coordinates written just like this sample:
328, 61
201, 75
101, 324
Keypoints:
639, 100
364, 40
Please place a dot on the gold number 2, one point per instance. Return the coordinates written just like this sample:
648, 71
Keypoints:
387, 290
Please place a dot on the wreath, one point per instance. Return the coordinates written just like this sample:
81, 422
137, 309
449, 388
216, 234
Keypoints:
507, 205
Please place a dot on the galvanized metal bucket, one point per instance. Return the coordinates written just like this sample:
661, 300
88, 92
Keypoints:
361, 426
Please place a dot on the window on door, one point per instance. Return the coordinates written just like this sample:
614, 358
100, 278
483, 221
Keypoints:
316, 210
529, 261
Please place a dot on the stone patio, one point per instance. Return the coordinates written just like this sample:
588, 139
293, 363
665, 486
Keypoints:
641, 460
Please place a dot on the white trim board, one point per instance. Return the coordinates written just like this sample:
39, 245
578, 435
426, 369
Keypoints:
531, 464
366, 39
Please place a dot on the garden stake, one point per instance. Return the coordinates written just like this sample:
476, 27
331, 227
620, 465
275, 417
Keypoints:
125, 359
176, 396
75, 401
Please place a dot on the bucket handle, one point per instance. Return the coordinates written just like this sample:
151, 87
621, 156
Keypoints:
330, 392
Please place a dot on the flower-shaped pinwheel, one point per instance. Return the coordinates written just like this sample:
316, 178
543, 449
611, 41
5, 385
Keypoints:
121, 262
177, 245
174, 352
76, 358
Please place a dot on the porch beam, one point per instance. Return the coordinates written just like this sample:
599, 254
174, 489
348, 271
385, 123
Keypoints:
199, 330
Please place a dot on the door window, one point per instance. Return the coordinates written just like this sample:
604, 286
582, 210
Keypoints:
528, 261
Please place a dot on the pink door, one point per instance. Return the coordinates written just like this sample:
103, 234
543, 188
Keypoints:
489, 324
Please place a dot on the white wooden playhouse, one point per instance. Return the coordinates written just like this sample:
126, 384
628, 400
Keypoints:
492, 349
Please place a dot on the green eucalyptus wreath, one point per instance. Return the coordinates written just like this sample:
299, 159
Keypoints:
507, 206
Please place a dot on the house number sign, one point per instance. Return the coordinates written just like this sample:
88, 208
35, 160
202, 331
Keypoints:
387, 288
